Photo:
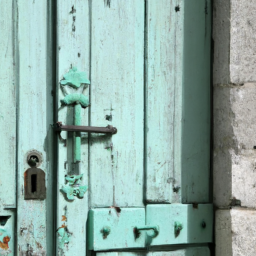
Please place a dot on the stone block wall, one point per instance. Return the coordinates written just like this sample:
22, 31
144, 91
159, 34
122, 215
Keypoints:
234, 112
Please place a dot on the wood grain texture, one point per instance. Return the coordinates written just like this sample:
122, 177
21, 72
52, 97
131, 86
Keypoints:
35, 104
163, 99
178, 101
7, 106
73, 44
116, 163
195, 163
8, 121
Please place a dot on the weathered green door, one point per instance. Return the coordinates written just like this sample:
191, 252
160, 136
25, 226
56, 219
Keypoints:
141, 66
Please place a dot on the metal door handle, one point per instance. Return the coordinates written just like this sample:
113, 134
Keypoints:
90, 129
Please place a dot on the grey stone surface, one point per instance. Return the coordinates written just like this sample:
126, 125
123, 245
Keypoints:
234, 36
223, 234
234, 113
234, 166
243, 41
235, 232
221, 39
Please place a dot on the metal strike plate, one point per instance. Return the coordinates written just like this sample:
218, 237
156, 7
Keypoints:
34, 184
109, 229
181, 223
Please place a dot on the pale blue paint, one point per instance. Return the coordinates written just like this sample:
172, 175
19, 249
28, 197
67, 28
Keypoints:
72, 49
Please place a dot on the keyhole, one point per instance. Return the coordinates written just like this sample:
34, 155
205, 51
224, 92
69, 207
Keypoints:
33, 183
33, 160
3, 220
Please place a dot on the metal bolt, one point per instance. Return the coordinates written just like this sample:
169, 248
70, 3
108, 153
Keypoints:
155, 230
176, 189
177, 228
203, 224
105, 232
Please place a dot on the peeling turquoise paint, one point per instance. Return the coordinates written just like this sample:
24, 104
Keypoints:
63, 236
73, 188
5, 238
75, 97
75, 78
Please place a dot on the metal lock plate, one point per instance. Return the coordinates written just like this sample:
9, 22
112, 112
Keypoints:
34, 184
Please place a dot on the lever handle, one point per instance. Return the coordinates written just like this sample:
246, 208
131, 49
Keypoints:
90, 129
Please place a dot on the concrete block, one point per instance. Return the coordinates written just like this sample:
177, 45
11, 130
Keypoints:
234, 165
242, 41
235, 232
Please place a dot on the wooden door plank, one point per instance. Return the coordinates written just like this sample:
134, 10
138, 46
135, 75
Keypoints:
35, 105
195, 164
178, 111
116, 163
8, 106
7, 125
73, 44
163, 99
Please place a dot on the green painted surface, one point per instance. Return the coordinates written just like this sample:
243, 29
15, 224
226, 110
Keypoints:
75, 78
163, 90
171, 224
121, 225
73, 49
34, 224
181, 223
178, 101
117, 51
74, 187
8, 114
196, 116
153, 85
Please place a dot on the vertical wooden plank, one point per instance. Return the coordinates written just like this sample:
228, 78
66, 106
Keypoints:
178, 122
7, 126
73, 44
196, 102
116, 163
8, 107
164, 47
34, 119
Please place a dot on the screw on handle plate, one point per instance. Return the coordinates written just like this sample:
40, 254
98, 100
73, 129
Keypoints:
155, 230
177, 228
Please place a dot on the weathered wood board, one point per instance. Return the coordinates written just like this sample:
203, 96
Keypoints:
73, 50
117, 54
